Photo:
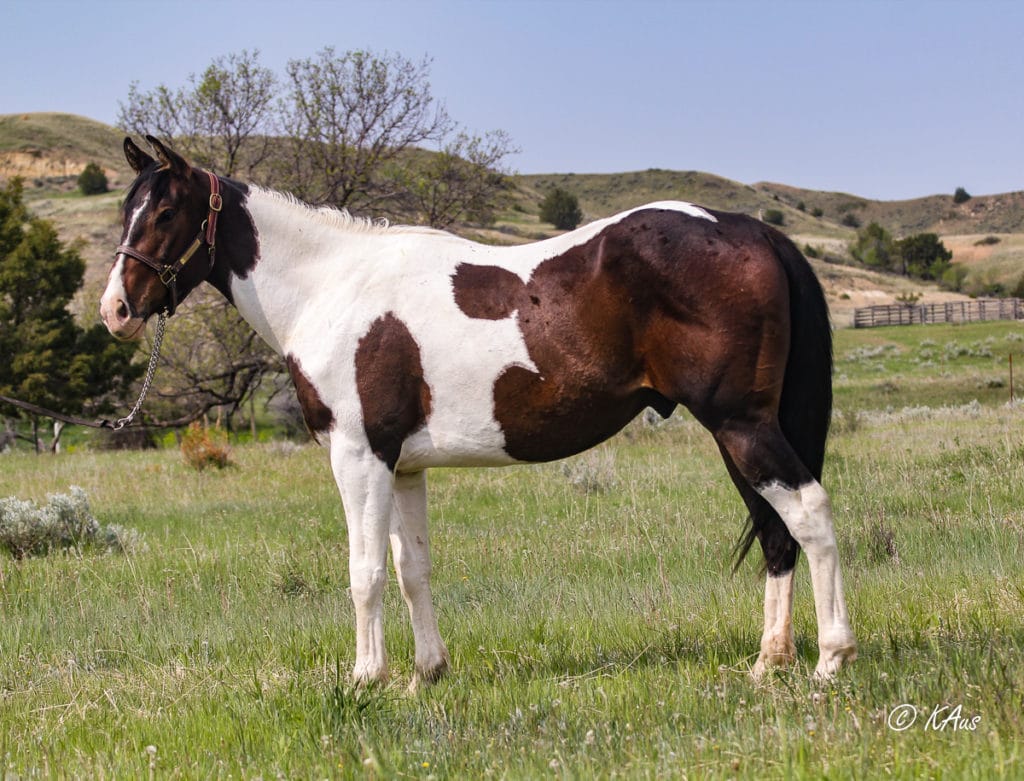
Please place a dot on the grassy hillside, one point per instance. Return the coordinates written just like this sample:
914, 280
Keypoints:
604, 194
1003, 213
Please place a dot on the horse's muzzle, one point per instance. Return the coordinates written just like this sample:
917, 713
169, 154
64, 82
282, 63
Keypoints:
119, 320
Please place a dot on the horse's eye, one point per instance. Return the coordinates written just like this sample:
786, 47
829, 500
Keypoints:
165, 216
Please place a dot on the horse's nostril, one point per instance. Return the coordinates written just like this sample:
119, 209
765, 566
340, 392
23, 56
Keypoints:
122, 310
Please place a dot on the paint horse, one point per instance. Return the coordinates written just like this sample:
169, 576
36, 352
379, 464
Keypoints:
413, 348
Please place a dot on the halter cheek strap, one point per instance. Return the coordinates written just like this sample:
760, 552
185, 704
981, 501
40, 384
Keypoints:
168, 272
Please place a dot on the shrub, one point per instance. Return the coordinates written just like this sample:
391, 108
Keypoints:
953, 278
92, 180
774, 217
204, 446
64, 522
817, 211
874, 246
961, 195
987, 241
561, 208
850, 220
923, 256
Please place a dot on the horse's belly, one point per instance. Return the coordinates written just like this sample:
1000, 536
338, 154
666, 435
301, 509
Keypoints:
535, 429
430, 447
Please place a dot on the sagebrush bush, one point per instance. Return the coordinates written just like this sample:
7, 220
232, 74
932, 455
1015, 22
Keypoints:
64, 522
204, 446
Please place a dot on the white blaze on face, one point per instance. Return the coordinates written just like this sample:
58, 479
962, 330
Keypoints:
136, 216
114, 309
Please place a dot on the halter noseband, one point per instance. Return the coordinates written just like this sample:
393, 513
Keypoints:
168, 272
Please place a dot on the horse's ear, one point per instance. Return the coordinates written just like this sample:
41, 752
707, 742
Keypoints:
137, 159
169, 158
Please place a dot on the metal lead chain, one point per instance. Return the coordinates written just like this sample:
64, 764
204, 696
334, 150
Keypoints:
154, 357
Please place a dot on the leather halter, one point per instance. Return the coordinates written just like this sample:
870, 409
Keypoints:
168, 272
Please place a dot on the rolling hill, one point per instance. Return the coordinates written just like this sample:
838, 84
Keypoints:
47, 148
986, 233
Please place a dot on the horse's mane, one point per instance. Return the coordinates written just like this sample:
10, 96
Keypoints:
345, 220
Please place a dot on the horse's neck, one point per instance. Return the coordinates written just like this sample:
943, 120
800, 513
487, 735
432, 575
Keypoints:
309, 261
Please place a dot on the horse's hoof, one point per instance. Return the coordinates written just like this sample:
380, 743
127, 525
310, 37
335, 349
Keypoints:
427, 676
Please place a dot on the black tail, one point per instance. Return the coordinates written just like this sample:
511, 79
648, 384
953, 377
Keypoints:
805, 410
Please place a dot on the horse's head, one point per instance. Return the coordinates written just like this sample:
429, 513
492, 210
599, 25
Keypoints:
166, 249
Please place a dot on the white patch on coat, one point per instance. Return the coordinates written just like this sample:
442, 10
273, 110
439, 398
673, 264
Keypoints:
807, 513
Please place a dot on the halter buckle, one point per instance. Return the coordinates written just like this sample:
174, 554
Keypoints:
168, 274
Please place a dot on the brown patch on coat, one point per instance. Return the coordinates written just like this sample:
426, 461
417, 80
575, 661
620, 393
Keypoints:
318, 416
393, 393
625, 321
486, 292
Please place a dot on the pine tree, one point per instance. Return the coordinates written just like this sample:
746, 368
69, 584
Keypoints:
48, 359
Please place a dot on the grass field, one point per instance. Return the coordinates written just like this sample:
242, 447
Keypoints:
595, 628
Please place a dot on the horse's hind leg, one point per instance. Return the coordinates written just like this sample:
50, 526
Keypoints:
765, 459
410, 547
778, 648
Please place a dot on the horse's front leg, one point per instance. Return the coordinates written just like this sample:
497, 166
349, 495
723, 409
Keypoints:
410, 547
367, 492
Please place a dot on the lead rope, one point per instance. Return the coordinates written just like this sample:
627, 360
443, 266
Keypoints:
154, 356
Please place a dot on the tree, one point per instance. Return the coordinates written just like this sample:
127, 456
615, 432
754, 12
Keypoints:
346, 117
961, 195
874, 247
923, 256
222, 120
92, 180
216, 362
561, 208
461, 181
344, 130
50, 360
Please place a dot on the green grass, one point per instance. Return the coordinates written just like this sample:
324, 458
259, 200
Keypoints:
594, 625
935, 365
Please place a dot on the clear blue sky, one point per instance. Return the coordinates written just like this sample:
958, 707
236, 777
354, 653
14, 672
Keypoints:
882, 98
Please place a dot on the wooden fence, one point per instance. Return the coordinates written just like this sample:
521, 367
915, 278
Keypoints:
950, 312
